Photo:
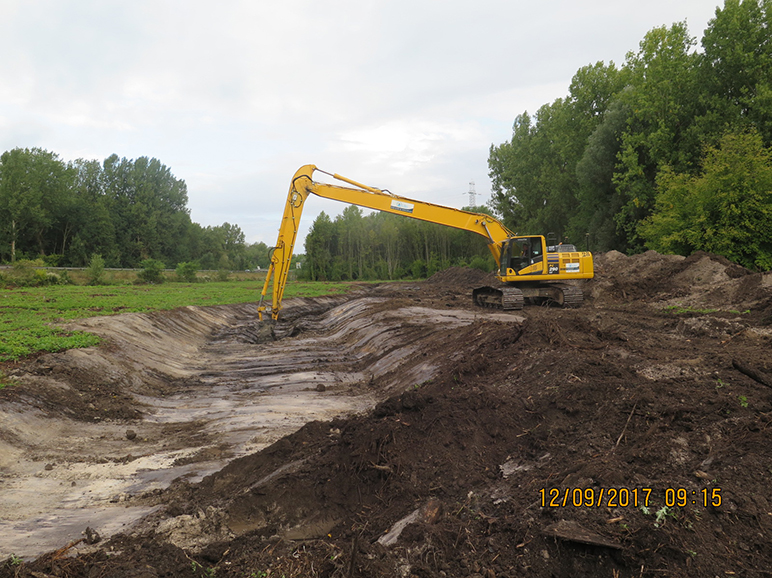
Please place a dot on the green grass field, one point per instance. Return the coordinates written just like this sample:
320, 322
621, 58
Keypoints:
29, 315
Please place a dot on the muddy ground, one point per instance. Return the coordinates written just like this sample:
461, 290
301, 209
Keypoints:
629, 437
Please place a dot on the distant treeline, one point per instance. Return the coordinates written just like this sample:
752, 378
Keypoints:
670, 151
386, 246
125, 210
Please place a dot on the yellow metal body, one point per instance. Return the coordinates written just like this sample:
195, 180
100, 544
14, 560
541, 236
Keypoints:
528, 258
502, 242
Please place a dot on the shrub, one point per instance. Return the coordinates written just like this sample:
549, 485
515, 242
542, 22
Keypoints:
152, 271
64, 278
52, 260
50, 278
418, 269
24, 266
30, 274
187, 271
96, 270
481, 263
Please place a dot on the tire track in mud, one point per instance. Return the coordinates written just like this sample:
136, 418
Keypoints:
181, 393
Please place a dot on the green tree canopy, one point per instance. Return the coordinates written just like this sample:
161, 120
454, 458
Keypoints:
632, 143
725, 209
386, 246
35, 188
534, 179
124, 210
736, 68
661, 102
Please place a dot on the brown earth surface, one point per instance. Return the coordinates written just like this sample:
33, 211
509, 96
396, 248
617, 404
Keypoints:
478, 446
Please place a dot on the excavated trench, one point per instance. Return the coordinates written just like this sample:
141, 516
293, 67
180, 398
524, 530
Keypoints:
182, 393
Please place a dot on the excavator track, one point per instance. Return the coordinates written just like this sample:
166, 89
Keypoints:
572, 296
506, 298
513, 298
560, 294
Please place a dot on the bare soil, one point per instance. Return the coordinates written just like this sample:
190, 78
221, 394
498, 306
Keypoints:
445, 440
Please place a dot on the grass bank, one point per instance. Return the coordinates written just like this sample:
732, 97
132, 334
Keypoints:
29, 315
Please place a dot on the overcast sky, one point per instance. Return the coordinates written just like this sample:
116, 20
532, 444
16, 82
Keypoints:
233, 96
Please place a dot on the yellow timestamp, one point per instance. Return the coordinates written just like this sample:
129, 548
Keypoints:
626, 497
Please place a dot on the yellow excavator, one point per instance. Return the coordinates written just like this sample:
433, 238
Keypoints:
528, 268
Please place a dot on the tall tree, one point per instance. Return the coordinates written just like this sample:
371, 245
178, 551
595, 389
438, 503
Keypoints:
349, 226
663, 102
92, 227
34, 186
257, 255
320, 247
387, 226
599, 201
534, 174
736, 68
512, 171
149, 208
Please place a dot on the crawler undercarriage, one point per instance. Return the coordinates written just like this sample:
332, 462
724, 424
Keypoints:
512, 298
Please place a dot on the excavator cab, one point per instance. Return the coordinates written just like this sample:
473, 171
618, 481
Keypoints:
519, 253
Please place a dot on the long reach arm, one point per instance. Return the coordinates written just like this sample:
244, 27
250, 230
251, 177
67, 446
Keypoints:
372, 198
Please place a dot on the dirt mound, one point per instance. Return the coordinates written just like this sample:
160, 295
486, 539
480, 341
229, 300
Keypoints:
618, 439
702, 280
517, 418
461, 277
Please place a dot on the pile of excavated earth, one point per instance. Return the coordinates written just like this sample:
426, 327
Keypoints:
399, 431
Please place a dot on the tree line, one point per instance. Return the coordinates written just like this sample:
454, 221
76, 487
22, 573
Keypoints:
670, 151
386, 246
125, 211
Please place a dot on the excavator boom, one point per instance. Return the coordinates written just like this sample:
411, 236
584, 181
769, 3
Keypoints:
502, 242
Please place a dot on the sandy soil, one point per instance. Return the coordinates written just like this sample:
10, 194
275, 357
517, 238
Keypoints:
401, 432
